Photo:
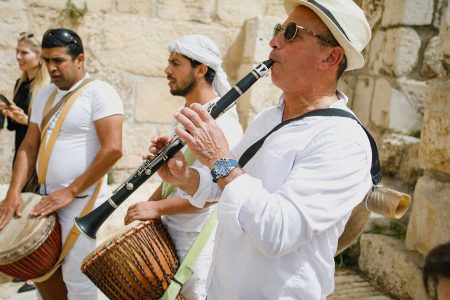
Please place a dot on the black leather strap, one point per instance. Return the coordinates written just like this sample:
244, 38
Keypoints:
375, 170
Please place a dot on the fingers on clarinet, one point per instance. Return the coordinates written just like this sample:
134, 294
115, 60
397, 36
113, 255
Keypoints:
185, 136
201, 111
193, 116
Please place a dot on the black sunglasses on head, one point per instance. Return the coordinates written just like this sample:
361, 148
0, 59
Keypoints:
25, 34
62, 35
291, 30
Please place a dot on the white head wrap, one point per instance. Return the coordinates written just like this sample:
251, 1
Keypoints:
203, 50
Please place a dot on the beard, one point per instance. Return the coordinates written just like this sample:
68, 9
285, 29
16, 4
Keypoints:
185, 88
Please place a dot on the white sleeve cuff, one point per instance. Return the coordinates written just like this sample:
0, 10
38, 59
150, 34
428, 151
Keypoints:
207, 189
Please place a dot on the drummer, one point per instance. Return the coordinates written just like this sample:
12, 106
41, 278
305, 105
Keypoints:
195, 73
88, 144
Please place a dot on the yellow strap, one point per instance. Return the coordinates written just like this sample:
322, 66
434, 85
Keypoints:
72, 237
45, 149
47, 107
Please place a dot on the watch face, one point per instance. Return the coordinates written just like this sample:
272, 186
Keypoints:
222, 167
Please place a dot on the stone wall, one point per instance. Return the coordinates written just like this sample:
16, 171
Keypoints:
126, 45
407, 84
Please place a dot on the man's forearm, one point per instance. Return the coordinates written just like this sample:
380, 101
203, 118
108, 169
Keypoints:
23, 168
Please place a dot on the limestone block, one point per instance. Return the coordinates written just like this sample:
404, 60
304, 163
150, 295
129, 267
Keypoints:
373, 10
93, 6
261, 95
235, 12
444, 36
432, 59
393, 147
154, 103
146, 40
415, 91
14, 18
428, 224
391, 109
363, 98
188, 10
407, 12
135, 7
136, 139
6, 155
346, 84
387, 261
394, 51
434, 150
55, 4
258, 33
410, 169
275, 8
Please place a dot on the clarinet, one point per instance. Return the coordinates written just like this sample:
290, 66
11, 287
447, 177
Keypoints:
90, 223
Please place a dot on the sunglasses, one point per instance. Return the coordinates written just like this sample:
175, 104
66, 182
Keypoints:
25, 34
62, 35
291, 30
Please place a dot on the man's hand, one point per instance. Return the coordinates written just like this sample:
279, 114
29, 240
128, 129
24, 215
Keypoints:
14, 112
202, 135
176, 170
10, 206
147, 210
54, 201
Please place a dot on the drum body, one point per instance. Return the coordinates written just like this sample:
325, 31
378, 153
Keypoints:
30, 246
137, 264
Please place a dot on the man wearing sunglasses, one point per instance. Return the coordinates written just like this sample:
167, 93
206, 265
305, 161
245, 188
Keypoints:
280, 215
89, 142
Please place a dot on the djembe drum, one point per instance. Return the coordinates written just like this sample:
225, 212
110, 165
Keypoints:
29, 246
137, 264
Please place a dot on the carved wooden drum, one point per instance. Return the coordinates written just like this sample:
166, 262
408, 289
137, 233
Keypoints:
29, 246
137, 264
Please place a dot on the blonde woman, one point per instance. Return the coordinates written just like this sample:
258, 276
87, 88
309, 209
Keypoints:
34, 77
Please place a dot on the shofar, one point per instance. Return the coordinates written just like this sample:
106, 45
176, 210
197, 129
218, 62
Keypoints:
387, 202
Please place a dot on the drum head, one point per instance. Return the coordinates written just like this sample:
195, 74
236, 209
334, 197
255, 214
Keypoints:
22, 236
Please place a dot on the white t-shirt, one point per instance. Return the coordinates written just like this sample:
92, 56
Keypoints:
280, 222
77, 142
193, 222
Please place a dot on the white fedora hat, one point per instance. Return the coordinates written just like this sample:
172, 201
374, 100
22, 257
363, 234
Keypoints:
347, 23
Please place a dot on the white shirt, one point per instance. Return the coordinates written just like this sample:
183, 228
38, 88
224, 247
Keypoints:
193, 222
280, 222
77, 142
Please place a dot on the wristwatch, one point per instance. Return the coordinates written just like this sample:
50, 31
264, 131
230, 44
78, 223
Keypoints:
222, 167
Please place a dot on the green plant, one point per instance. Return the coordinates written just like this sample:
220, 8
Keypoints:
394, 230
73, 11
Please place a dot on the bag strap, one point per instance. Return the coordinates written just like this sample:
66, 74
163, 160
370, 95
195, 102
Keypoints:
46, 148
72, 236
375, 170
185, 270
48, 113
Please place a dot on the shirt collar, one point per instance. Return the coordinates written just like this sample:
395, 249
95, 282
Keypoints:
63, 92
342, 99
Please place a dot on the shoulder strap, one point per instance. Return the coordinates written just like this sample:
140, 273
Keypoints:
46, 147
51, 112
375, 170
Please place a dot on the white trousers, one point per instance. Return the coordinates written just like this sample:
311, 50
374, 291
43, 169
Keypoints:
195, 287
79, 287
